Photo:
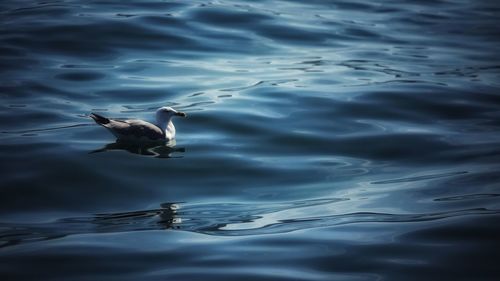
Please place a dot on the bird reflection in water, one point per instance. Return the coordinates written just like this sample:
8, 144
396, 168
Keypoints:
157, 150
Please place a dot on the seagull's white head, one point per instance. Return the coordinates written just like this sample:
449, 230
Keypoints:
164, 114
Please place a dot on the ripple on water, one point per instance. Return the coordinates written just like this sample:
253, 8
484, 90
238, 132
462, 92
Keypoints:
220, 219
325, 140
81, 76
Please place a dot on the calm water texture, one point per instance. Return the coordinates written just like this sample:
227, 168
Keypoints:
325, 140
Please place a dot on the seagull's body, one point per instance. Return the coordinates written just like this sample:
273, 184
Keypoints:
134, 130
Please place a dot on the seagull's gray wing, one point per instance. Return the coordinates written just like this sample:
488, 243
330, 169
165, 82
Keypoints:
135, 130
130, 130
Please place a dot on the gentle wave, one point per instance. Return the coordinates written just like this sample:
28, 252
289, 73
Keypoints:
44, 129
419, 178
223, 219
386, 112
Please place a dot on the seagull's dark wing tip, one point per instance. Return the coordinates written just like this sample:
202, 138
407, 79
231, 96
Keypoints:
101, 120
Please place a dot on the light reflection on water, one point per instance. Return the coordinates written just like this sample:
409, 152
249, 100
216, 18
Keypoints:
325, 140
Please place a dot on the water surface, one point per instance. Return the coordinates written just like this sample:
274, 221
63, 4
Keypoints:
325, 140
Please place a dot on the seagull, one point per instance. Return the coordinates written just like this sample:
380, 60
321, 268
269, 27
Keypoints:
134, 130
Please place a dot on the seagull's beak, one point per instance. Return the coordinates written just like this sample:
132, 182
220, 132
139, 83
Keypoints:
181, 114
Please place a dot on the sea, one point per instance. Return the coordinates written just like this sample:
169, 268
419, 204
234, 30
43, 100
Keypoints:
324, 140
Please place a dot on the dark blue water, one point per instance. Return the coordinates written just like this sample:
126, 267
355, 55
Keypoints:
325, 140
